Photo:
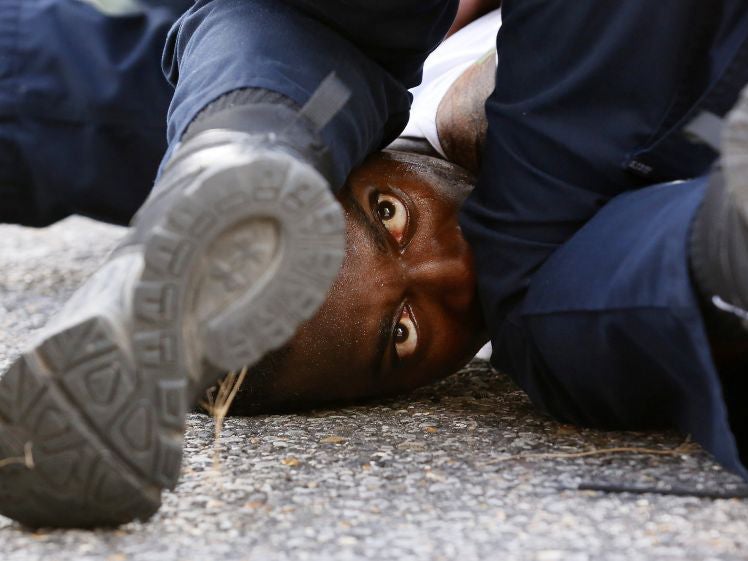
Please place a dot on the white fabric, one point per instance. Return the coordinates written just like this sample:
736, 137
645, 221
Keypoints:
485, 352
443, 67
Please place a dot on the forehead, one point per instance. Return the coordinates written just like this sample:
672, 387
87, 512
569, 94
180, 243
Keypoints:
414, 174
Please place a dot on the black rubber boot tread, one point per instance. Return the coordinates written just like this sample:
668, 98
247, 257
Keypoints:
242, 249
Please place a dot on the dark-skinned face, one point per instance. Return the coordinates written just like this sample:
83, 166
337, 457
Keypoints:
403, 310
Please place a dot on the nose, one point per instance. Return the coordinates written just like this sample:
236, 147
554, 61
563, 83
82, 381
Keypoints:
444, 272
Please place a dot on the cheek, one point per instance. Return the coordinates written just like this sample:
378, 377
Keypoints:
437, 367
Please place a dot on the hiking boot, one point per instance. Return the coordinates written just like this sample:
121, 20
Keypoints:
236, 247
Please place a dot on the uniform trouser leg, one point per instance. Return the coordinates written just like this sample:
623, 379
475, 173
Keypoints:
82, 107
83, 99
610, 333
582, 265
376, 49
599, 114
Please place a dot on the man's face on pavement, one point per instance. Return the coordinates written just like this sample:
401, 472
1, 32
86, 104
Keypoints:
403, 310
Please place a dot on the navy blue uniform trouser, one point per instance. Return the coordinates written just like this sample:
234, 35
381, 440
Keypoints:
581, 252
580, 220
83, 100
82, 105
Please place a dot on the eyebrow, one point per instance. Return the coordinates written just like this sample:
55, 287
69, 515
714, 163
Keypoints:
375, 234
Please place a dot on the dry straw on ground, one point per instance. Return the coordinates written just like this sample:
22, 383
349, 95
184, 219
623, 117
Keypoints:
218, 402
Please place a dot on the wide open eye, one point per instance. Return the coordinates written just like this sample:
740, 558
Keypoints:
394, 216
406, 335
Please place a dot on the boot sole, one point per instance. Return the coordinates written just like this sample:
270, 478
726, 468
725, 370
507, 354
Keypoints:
233, 265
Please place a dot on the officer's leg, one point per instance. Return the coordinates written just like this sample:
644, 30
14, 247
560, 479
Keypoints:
601, 112
610, 333
83, 103
236, 247
376, 50
593, 118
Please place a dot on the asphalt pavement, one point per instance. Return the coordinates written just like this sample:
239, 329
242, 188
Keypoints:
463, 470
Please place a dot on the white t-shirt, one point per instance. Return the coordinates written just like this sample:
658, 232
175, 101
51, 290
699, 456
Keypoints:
443, 66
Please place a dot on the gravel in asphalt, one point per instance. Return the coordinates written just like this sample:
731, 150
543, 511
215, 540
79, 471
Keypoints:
463, 470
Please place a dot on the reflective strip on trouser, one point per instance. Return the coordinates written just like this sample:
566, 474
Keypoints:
116, 7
